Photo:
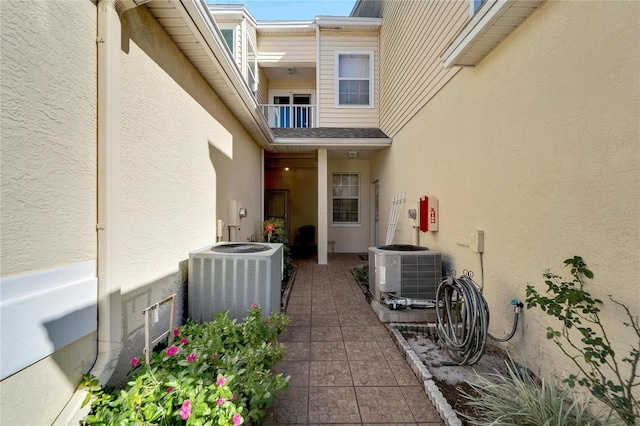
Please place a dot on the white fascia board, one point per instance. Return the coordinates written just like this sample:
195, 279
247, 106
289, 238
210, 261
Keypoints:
486, 16
348, 21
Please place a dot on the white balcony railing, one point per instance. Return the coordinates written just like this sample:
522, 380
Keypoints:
289, 116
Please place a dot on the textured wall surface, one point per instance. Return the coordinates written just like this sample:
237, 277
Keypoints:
539, 146
47, 176
48, 162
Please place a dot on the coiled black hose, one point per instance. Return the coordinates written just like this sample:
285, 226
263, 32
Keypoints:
463, 320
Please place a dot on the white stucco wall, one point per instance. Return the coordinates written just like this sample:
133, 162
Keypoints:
48, 187
539, 146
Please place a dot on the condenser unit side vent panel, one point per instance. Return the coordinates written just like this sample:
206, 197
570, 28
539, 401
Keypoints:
420, 276
221, 282
410, 274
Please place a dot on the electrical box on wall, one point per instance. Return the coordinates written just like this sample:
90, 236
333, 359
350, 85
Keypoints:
429, 215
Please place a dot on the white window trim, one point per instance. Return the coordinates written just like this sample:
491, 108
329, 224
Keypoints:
347, 224
246, 70
336, 84
234, 28
474, 5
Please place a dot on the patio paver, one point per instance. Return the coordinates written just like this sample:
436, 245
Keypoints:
344, 365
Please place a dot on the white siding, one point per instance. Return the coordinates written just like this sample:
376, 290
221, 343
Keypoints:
299, 49
330, 115
413, 35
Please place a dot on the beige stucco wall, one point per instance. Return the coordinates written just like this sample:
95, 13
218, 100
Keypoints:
48, 162
539, 146
47, 176
184, 156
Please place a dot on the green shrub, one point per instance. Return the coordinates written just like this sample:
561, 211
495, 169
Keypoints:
216, 373
519, 399
600, 370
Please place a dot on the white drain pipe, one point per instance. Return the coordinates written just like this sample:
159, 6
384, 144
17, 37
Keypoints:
108, 199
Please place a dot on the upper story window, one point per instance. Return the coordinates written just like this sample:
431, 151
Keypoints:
345, 198
252, 67
475, 5
227, 33
354, 79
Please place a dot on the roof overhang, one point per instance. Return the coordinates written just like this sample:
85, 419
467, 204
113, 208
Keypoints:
191, 26
342, 23
490, 25
330, 138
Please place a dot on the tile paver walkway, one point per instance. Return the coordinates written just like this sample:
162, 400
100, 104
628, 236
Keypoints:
343, 363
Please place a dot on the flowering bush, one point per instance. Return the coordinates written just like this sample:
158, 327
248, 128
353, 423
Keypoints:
274, 232
219, 374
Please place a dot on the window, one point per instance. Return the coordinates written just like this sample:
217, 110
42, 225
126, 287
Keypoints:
475, 5
354, 82
346, 197
228, 37
252, 67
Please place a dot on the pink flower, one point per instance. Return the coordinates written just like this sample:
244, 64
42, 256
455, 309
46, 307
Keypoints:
185, 410
237, 419
270, 227
221, 381
266, 322
191, 357
169, 389
134, 362
214, 356
221, 401
172, 350
176, 332
254, 305
233, 396
184, 341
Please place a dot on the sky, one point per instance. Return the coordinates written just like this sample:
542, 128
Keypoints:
305, 10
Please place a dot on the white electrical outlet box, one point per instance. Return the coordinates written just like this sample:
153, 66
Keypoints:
476, 241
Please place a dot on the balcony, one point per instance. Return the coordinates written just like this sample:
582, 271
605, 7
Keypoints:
289, 116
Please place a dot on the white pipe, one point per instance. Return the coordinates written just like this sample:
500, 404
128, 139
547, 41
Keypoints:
108, 200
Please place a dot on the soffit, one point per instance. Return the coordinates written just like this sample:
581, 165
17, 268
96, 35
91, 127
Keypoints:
491, 24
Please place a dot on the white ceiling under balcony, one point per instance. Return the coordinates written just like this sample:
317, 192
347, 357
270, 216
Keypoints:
281, 72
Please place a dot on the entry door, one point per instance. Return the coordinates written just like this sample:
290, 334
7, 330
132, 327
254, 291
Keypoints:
302, 118
283, 113
276, 206
288, 116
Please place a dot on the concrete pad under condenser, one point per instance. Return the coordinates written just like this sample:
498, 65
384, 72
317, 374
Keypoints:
387, 315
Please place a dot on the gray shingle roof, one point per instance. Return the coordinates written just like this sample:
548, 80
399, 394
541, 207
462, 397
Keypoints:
330, 133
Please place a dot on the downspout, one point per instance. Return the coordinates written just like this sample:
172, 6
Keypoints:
109, 333
108, 227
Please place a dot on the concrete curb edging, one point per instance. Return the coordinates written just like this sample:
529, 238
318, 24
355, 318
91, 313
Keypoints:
438, 400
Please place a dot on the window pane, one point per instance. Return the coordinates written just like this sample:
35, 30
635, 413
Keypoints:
228, 38
353, 66
353, 92
345, 202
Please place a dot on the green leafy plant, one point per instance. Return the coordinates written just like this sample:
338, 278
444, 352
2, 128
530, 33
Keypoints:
274, 232
519, 399
217, 373
579, 313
